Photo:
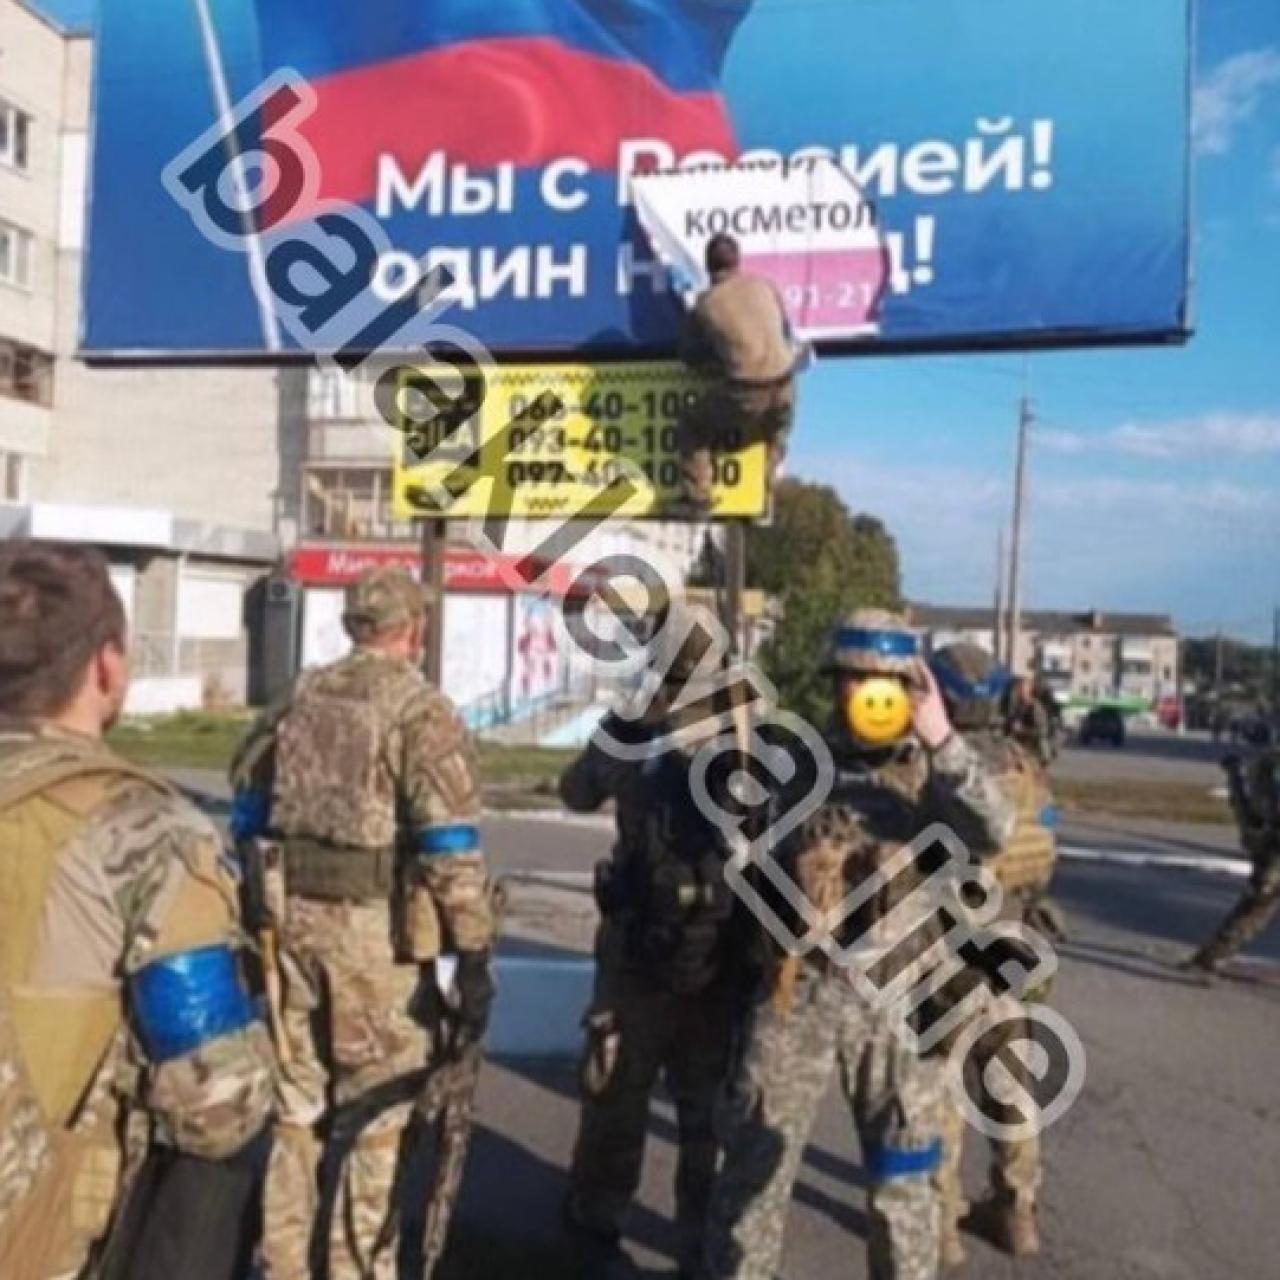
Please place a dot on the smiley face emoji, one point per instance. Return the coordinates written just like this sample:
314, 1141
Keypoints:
878, 709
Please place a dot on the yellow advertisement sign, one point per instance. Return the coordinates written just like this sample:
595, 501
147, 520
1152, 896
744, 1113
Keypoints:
547, 441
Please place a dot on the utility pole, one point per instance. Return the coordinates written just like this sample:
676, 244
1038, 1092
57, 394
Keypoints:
1015, 546
1275, 664
997, 608
1217, 668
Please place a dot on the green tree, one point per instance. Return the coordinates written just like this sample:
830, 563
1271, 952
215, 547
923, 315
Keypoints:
821, 561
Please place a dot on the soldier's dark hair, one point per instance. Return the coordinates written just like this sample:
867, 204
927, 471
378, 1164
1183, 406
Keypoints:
723, 253
57, 609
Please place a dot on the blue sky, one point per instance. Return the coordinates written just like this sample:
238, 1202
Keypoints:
1155, 474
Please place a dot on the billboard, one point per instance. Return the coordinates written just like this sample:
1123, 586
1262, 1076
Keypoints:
1027, 164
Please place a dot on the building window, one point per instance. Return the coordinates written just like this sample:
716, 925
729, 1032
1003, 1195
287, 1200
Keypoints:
13, 477
26, 373
333, 396
351, 503
1085, 667
15, 137
15, 255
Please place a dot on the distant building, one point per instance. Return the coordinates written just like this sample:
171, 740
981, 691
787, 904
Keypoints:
1086, 657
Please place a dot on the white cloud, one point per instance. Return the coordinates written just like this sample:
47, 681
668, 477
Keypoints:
1230, 95
1215, 435
1190, 544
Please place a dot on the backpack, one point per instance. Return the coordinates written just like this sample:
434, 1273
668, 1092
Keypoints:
41, 1160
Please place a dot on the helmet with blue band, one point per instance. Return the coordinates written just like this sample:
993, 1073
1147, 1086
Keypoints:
873, 642
972, 684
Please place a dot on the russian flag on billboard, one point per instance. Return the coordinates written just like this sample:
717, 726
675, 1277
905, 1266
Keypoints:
501, 81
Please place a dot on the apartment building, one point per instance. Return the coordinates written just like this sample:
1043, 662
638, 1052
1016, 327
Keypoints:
1084, 657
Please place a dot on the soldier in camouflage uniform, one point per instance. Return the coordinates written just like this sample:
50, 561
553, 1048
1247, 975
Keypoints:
121, 1001
1027, 721
1254, 792
972, 685
366, 778
803, 1024
668, 974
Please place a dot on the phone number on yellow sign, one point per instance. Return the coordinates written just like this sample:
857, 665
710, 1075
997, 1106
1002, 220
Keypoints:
558, 435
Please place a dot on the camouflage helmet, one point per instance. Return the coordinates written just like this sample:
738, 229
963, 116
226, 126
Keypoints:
873, 642
972, 683
381, 600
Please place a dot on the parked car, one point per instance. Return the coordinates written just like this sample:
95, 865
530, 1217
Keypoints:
1102, 724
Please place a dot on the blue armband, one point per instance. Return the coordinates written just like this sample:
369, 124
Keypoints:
1048, 816
885, 1163
183, 1001
250, 814
460, 837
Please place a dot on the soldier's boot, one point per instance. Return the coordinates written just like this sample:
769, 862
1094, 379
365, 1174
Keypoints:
597, 1254
1015, 1229
1206, 962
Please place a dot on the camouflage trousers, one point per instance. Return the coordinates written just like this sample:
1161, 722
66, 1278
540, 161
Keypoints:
1249, 917
896, 1098
638, 1033
728, 417
352, 1030
1015, 1166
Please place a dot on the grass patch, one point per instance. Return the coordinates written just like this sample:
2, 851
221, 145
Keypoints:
207, 740
184, 740
1170, 801
533, 769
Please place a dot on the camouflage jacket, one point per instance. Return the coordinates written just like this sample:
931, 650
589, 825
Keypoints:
395, 765
141, 877
880, 803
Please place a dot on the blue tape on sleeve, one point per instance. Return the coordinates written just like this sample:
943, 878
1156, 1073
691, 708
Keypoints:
891, 644
1049, 816
461, 837
183, 1001
250, 814
885, 1163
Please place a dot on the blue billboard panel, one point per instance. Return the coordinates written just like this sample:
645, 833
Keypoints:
1027, 164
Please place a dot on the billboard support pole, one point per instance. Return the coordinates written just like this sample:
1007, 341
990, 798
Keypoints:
435, 546
735, 565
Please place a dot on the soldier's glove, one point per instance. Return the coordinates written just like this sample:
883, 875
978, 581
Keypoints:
474, 982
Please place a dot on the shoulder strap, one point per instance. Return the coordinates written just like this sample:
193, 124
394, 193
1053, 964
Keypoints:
59, 767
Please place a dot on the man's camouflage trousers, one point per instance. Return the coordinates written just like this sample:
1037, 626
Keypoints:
637, 1034
1250, 916
350, 1019
1015, 1166
896, 1098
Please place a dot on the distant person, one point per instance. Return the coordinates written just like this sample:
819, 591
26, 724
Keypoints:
1254, 791
128, 1040
739, 334
1027, 722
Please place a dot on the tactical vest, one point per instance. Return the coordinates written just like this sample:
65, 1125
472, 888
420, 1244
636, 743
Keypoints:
59, 1162
872, 812
1025, 864
675, 905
